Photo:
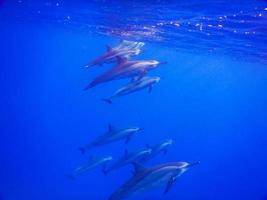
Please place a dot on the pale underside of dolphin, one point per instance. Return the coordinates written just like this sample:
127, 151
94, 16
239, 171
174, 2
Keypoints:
112, 135
124, 49
125, 69
146, 179
134, 86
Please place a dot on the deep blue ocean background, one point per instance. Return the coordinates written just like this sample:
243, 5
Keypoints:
212, 99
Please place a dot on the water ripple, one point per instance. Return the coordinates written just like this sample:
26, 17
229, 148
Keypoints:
232, 26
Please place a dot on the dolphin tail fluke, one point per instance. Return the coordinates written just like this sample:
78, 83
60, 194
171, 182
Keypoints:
82, 150
107, 101
88, 87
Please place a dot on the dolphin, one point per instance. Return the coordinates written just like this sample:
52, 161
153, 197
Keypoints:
128, 158
125, 69
130, 45
157, 149
112, 135
125, 49
135, 85
92, 163
145, 179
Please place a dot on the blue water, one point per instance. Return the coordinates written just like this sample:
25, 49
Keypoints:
211, 100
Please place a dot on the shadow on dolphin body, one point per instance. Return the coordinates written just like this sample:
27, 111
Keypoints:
147, 178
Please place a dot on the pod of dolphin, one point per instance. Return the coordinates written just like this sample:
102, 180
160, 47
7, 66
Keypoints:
124, 68
143, 178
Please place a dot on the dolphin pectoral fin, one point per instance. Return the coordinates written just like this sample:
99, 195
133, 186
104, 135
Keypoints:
104, 170
169, 184
165, 151
150, 89
141, 75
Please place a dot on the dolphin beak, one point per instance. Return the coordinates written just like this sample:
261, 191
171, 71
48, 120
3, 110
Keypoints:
141, 129
193, 164
163, 63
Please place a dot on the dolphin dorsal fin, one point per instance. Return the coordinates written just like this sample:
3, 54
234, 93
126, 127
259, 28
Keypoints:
111, 128
109, 48
121, 59
138, 167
